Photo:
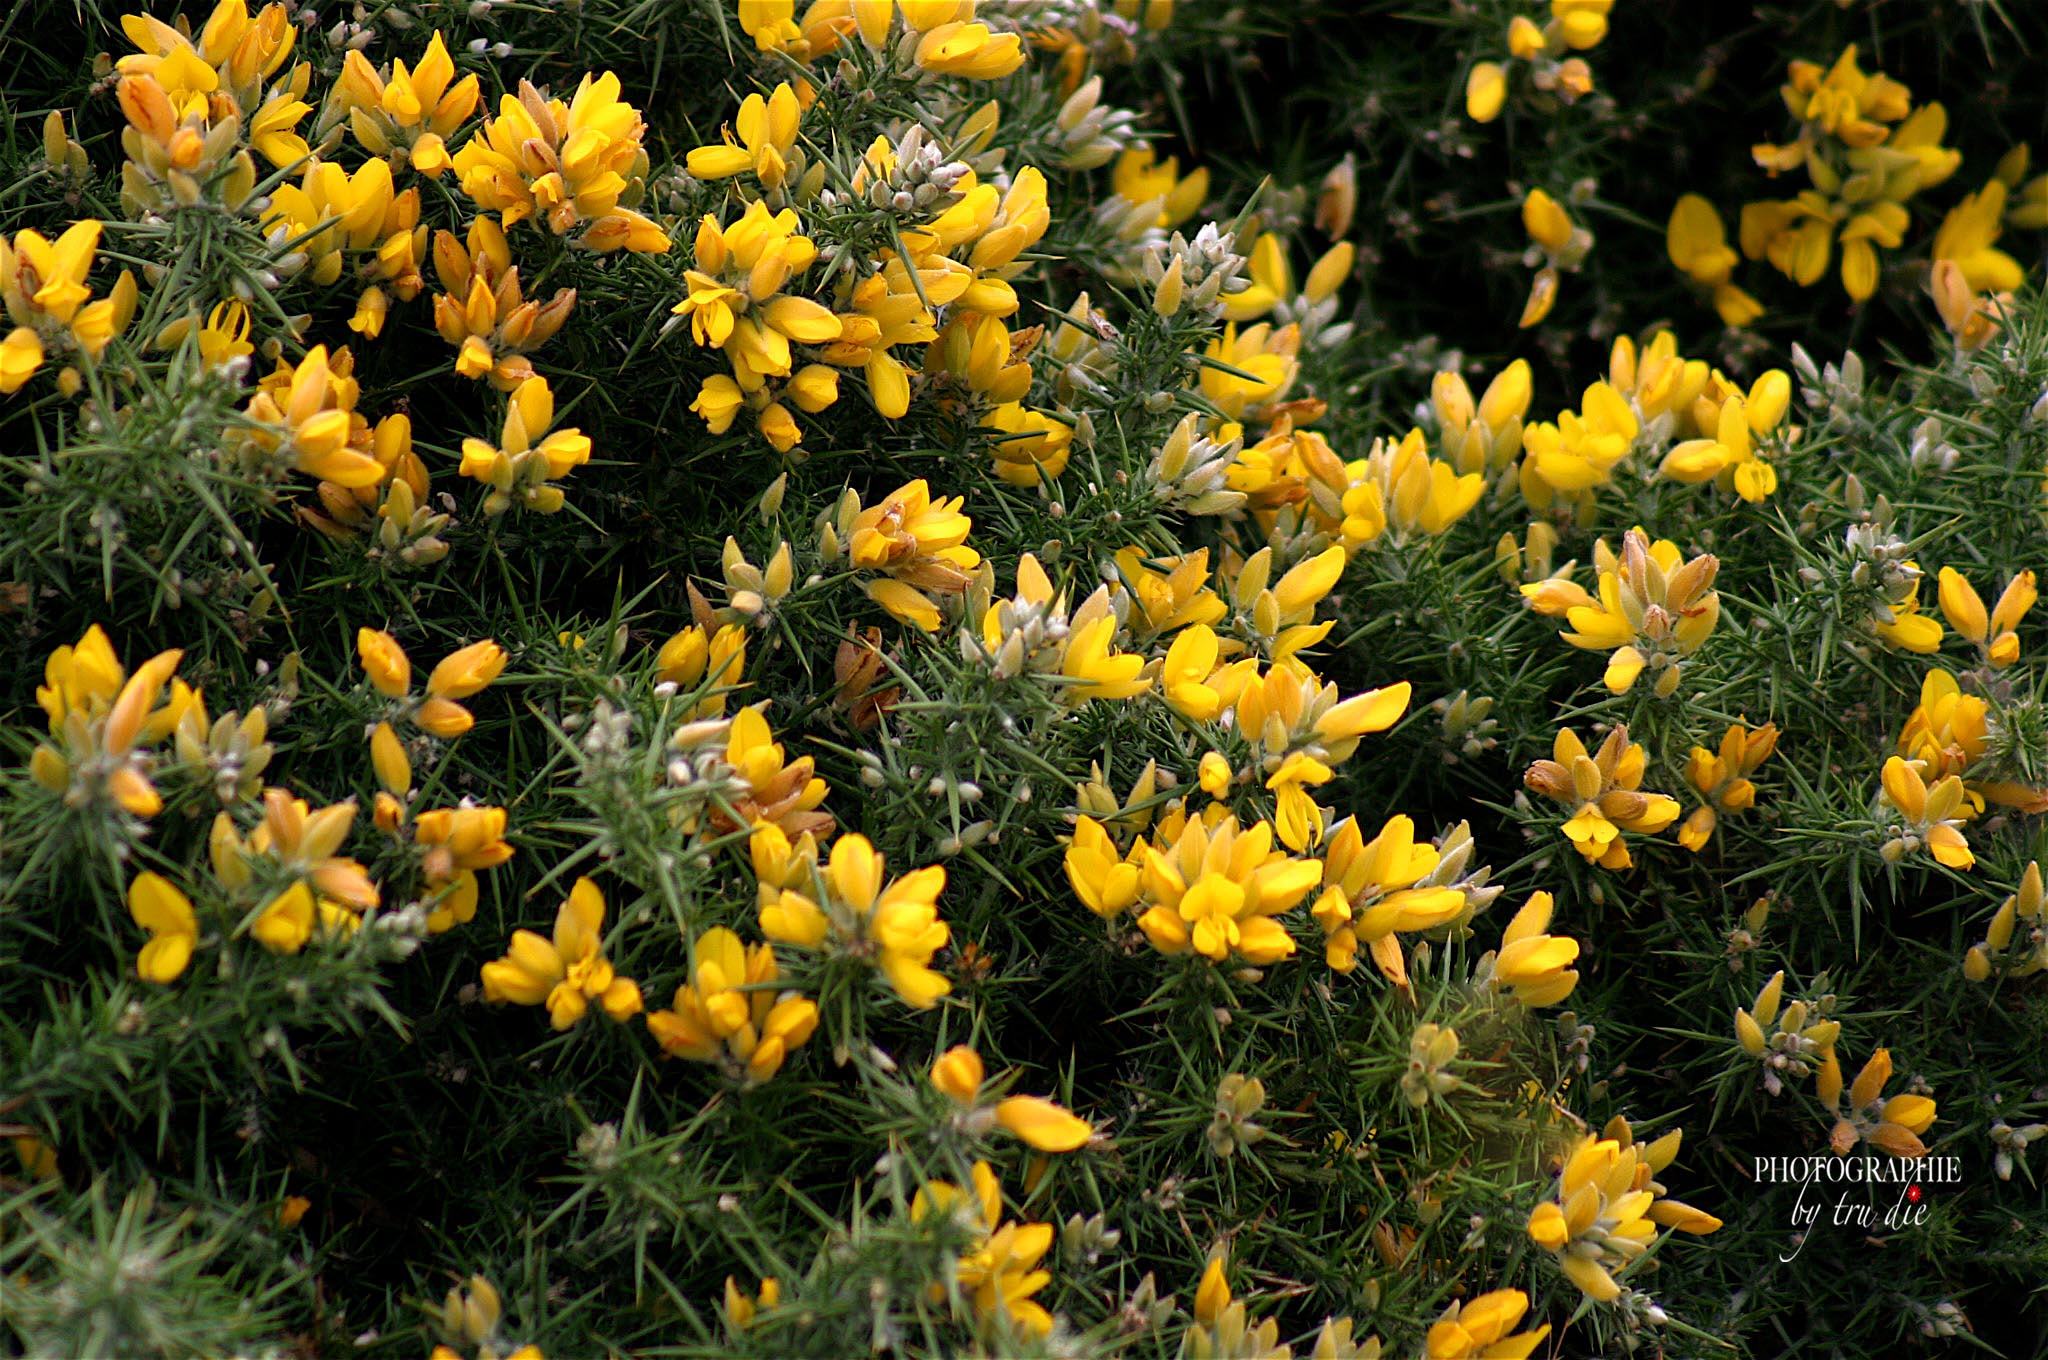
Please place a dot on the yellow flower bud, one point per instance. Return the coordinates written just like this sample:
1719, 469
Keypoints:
384, 661
958, 1072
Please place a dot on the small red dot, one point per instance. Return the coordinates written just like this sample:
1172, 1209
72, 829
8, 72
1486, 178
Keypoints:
1913, 1193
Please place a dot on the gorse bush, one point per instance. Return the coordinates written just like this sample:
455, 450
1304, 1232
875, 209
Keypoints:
1073, 677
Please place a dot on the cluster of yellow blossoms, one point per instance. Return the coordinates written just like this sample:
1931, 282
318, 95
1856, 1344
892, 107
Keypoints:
197, 107
1654, 402
1478, 1328
1605, 792
2015, 944
567, 971
999, 1270
1574, 26
944, 285
43, 284
106, 721
1654, 609
1608, 1207
287, 870
1867, 153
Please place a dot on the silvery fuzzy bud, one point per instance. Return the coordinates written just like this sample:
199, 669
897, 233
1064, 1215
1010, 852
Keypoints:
1084, 1240
1211, 268
1803, 365
1088, 133
1928, 450
1131, 222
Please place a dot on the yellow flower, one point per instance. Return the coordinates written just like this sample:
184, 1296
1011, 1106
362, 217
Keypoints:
1106, 882
1967, 236
193, 105
1165, 594
1566, 461
563, 164
1844, 102
917, 544
771, 789
332, 214
223, 338
1139, 177
1722, 780
166, 913
1479, 1329
2016, 942
1862, 172
1894, 1125
43, 286
693, 659
1035, 633
959, 48
958, 1073
527, 460
1292, 713
1485, 437
1486, 91
1581, 23
999, 1273
1272, 280
1400, 488
1563, 243
1215, 775
894, 928
1928, 816
1658, 385
1214, 891
1608, 1207
1948, 733
1697, 243
1374, 890
1796, 1043
484, 314
467, 670
1655, 609
1731, 456
385, 662
461, 674
1034, 446
735, 300
1280, 614
1222, 1325
293, 841
740, 1310
105, 721
568, 972
460, 840
306, 421
409, 114
730, 1014
1972, 321
1993, 634
1532, 966
1604, 789
1267, 358
767, 135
